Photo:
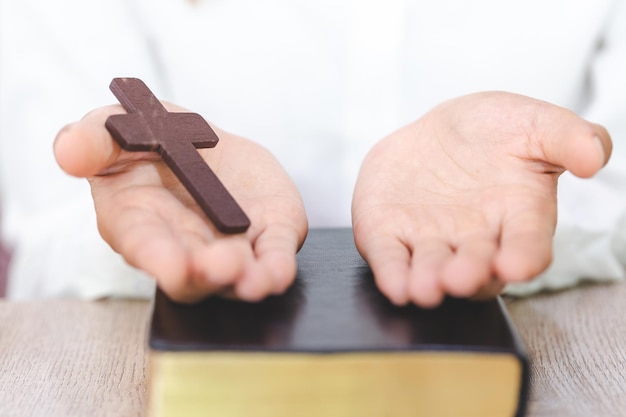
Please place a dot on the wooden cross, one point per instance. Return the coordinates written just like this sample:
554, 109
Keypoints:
148, 126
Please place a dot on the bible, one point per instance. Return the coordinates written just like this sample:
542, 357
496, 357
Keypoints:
333, 345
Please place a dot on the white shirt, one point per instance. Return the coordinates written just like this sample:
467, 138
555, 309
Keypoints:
318, 82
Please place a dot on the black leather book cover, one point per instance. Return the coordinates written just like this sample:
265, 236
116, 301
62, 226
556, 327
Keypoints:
334, 307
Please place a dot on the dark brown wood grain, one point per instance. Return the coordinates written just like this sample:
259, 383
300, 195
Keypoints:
148, 126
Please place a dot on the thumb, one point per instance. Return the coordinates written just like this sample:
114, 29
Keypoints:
85, 148
575, 144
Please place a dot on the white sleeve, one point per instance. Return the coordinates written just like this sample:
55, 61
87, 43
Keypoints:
57, 60
590, 239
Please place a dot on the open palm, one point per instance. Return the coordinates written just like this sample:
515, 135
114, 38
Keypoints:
147, 216
463, 200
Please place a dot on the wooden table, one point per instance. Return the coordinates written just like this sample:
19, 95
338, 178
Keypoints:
79, 358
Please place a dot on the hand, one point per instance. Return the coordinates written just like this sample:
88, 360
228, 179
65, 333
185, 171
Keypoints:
463, 200
146, 215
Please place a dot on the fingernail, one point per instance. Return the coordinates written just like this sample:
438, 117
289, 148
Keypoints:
600, 145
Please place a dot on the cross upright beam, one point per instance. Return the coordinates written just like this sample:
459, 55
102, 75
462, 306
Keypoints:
148, 126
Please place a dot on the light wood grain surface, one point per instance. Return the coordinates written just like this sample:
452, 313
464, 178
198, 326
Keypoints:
576, 340
72, 358
78, 358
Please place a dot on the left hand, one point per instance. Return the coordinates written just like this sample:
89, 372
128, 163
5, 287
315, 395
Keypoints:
463, 200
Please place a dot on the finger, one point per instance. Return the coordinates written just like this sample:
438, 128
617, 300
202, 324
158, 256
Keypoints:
221, 263
428, 258
525, 251
390, 259
276, 249
573, 143
157, 234
471, 266
84, 148
151, 247
255, 283
274, 266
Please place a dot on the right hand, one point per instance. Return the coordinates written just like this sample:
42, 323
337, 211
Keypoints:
145, 214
